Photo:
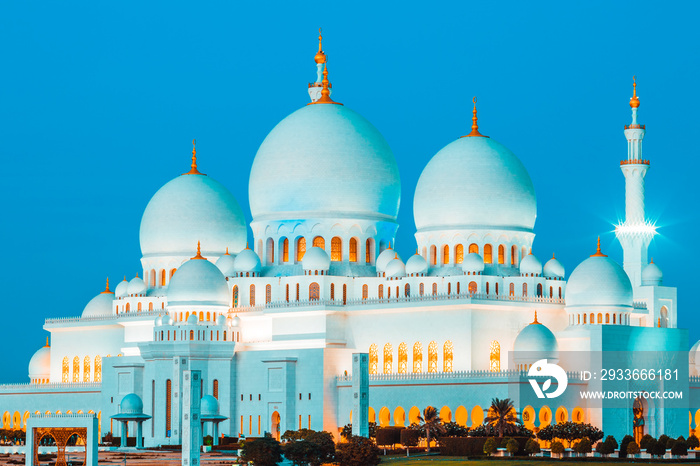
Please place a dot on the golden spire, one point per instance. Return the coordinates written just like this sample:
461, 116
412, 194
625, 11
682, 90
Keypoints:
634, 101
535, 321
137, 275
226, 254
320, 56
107, 288
47, 342
652, 260
598, 253
553, 257
246, 245
193, 169
325, 92
475, 126
199, 253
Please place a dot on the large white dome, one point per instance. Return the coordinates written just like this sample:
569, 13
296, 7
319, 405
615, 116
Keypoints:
599, 281
322, 161
188, 209
198, 282
475, 183
535, 342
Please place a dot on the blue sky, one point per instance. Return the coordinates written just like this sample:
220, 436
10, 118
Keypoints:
100, 101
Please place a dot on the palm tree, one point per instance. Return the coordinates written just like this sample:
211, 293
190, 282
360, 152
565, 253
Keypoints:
430, 423
502, 416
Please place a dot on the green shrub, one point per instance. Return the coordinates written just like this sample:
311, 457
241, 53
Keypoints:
532, 447
644, 442
409, 437
583, 446
557, 447
358, 451
693, 442
208, 440
659, 448
264, 451
490, 446
632, 448
680, 448
623, 445
452, 429
389, 435
462, 446
512, 446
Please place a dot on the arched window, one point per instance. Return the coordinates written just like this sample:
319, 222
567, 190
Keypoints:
314, 292
458, 287
64, 370
433, 255
98, 368
524, 289
150, 306
584, 318
268, 294
403, 358
512, 289
614, 318
388, 358
421, 289
501, 254
539, 290
172, 272
138, 307
380, 292
168, 406
592, 320
162, 278
365, 291
432, 357
449, 288
353, 250
319, 242
472, 287
76, 369
551, 292
270, 251
607, 318
86, 369
128, 307
496, 286
215, 389
600, 318
336, 249
417, 357
297, 292
285, 250
252, 295
487, 287
459, 254
560, 292
445, 254
235, 295
345, 294
513, 255
434, 288
488, 254
301, 248
152, 277
332, 291
447, 355
407, 290
495, 357
191, 335
373, 359
473, 248
369, 250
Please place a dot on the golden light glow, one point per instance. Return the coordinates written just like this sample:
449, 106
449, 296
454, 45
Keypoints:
495, 357
388, 358
373, 359
403, 358
447, 356
193, 168
459, 254
475, 127
336, 249
634, 101
417, 357
432, 357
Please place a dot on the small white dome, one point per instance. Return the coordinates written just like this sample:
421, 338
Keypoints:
158, 321
473, 263
396, 268
198, 282
40, 364
192, 319
136, 287
99, 306
246, 262
227, 264
316, 259
553, 269
167, 320
209, 406
221, 320
121, 290
236, 321
131, 404
530, 265
652, 275
416, 265
599, 281
535, 342
384, 258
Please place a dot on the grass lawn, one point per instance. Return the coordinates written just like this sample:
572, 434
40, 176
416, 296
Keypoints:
455, 460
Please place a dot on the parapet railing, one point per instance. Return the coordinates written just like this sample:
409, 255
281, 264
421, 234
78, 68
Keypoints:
409, 376
48, 386
639, 305
80, 415
121, 315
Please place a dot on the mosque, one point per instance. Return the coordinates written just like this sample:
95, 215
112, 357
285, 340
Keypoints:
272, 322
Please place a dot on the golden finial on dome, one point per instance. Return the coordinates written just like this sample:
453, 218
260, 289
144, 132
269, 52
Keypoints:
199, 253
325, 91
47, 342
475, 126
535, 321
137, 275
598, 253
652, 261
193, 169
226, 254
634, 101
107, 291
246, 245
320, 56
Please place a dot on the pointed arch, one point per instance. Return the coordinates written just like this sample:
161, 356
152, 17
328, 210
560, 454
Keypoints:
76, 369
446, 254
488, 254
495, 356
319, 242
86, 368
336, 249
353, 250
473, 248
369, 251
301, 248
459, 253
373, 359
252, 295
235, 295
314, 292
98, 368
388, 358
268, 294
447, 356
403, 358
65, 370
285, 250
501, 254
432, 357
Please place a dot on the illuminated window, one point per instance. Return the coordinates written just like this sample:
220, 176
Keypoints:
172, 272
445, 254
513, 256
332, 290
162, 278
319, 242
432, 357
191, 335
459, 254
600, 318
512, 289
314, 292
473, 248
447, 355
297, 292
152, 277
407, 290
421, 289
150, 306
336, 249
65, 370
285, 250
98, 368
369, 250
496, 286
76, 369
524, 289
449, 288
86, 369
235, 295
551, 292
560, 292
592, 321
168, 406
539, 290
128, 307
388, 358
495, 357
215, 390
501, 254
380, 292
584, 318
614, 318
417, 357
138, 307
268, 294
403, 358
434, 288
607, 318
353, 250
433, 255
345, 294
301, 248
270, 251
365, 291
488, 254
458, 287
252, 295
373, 359
472, 287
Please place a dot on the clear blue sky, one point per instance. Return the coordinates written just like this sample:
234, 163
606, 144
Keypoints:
100, 100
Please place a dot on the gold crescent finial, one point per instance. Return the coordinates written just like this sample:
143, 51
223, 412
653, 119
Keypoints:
320, 57
193, 169
634, 101
475, 126
474, 100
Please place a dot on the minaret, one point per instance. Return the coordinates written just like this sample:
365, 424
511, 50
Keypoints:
320, 59
635, 233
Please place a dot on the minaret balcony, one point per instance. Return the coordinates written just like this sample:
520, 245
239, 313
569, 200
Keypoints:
634, 162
